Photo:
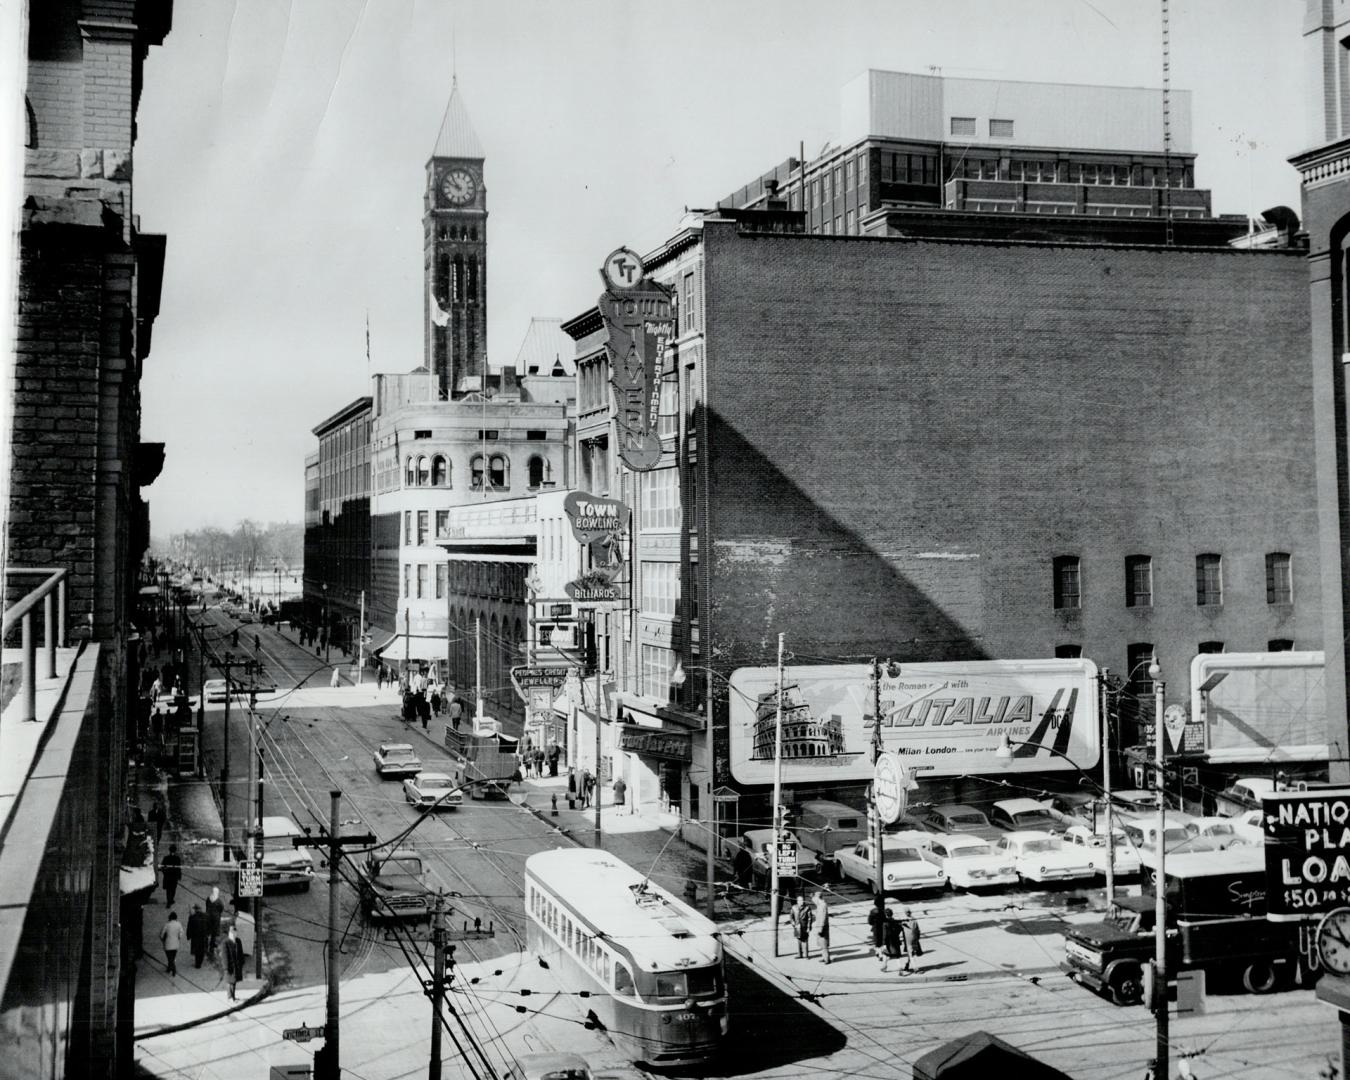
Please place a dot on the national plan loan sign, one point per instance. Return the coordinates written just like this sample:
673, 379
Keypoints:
1307, 853
944, 719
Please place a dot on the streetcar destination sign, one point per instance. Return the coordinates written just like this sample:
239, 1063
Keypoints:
1307, 852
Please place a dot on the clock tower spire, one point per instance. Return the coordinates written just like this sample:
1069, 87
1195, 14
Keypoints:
454, 245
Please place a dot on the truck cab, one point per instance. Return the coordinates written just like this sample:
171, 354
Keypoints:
393, 886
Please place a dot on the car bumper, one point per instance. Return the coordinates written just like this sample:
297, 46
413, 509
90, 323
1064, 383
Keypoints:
1091, 979
1059, 873
398, 771
989, 881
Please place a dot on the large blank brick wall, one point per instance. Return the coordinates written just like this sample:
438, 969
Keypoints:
905, 433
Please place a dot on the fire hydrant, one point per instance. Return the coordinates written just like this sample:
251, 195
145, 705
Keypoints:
555, 804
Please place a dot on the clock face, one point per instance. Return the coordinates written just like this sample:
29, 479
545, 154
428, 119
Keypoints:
1333, 941
458, 186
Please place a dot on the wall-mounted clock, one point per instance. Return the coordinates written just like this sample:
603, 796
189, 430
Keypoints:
1333, 940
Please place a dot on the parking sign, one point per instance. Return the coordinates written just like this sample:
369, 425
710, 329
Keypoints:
250, 878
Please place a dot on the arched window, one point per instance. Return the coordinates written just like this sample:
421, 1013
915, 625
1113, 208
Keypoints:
410, 474
423, 472
536, 471
473, 281
457, 293
498, 472
476, 472
439, 476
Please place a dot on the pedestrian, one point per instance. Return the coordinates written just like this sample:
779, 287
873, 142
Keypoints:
233, 950
584, 788
742, 863
571, 787
801, 916
913, 946
337, 677
158, 817
457, 711
379, 677
214, 907
554, 753
435, 701
423, 710
892, 939
172, 937
172, 868
539, 762
196, 934
874, 929
620, 791
822, 925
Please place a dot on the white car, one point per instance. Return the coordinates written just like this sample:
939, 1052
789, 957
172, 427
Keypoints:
1133, 803
1125, 860
435, 789
1250, 826
1243, 795
969, 862
283, 863
759, 843
215, 690
1221, 830
397, 759
903, 864
1040, 856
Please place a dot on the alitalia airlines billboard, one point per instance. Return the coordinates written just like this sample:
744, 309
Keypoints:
945, 719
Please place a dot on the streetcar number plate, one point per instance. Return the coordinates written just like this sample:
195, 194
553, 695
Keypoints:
687, 1017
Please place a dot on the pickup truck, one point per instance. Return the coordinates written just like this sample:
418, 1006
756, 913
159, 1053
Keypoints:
393, 886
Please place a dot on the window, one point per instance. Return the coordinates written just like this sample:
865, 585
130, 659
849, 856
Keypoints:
1208, 580
440, 476
657, 666
660, 587
1279, 578
1000, 129
476, 472
1282, 644
1068, 592
410, 473
623, 979
422, 573
536, 436
423, 472
536, 471
1066, 652
1138, 581
497, 471
442, 580
689, 316
407, 527
668, 407
442, 522
661, 499
407, 582
422, 433
423, 524
963, 125
1139, 657
1210, 647
489, 434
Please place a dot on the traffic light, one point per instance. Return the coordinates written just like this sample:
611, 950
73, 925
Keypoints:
782, 819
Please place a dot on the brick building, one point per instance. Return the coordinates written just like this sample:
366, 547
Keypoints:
957, 449
88, 294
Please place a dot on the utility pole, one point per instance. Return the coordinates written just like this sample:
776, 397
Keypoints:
326, 1066
361, 641
228, 668
478, 673
1160, 1004
1102, 677
437, 985
879, 880
258, 900
775, 901
597, 720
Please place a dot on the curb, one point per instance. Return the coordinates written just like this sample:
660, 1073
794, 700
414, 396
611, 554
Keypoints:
262, 992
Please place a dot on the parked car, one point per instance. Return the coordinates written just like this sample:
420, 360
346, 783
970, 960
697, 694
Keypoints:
1023, 815
1134, 802
952, 818
283, 863
825, 827
1125, 860
1180, 837
903, 864
397, 759
1077, 808
1041, 856
1220, 830
1243, 795
970, 862
435, 789
393, 886
759, 843
216, 690
1250, 825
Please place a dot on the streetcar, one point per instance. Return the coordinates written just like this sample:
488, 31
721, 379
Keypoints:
652, 963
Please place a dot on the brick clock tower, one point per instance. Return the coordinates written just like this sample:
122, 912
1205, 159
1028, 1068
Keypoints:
454, 244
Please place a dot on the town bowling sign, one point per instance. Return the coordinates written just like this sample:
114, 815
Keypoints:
639, 321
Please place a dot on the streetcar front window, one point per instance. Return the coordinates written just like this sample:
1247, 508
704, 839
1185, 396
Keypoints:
623, 981
682, 985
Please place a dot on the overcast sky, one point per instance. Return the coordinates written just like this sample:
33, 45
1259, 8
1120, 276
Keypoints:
282, 147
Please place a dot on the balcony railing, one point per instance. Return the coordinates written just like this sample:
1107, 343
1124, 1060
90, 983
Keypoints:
51, 593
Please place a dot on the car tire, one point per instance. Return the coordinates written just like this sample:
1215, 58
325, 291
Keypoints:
1127, 984
1259, 977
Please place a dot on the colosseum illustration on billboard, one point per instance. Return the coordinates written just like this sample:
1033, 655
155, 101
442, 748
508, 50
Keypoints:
944, 719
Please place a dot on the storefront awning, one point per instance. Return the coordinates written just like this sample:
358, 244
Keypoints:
398, 647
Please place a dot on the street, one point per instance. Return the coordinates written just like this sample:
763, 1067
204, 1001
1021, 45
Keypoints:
990, 961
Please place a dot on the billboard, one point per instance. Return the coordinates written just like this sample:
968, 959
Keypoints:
1259, 707
1307, 852
944, 719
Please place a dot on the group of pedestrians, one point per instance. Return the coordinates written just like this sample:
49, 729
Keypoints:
811, 922
894, 938
580, 788
538, 762
202, 933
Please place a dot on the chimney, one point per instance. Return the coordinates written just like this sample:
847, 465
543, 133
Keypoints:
772, 200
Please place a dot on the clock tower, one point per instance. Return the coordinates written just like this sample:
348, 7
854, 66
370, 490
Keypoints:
454, 245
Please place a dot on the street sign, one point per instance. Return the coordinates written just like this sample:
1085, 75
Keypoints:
1307, 852
303, 1033
528, 678
786, 851
250, 878
1174, 723
560, 611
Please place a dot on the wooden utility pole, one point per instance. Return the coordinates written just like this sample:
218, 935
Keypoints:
258, 900
227, 667
775, 900
437, 985
879, 881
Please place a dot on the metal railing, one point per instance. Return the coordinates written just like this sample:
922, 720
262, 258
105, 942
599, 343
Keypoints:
51, 591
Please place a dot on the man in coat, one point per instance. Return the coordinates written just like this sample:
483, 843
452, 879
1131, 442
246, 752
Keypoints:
171, 867
215, 906
232, 953
197, 934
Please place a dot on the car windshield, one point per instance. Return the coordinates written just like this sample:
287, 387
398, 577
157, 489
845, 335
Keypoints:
901, 854
1041, 845
401, 753
1026, 817
971, 850
401, 868
974, 819
434, 783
